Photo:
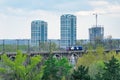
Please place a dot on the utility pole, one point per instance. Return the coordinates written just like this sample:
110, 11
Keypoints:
3, 46
39, 45
17, 44
28, 46
59, 43
50, 49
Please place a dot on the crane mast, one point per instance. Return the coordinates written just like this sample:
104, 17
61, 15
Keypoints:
96, 16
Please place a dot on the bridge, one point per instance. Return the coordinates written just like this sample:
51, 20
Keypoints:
71, 55
45, 54
58, 54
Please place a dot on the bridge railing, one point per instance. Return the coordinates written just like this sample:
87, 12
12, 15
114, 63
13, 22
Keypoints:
25, 45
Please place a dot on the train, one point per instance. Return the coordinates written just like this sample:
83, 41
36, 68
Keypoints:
74, 48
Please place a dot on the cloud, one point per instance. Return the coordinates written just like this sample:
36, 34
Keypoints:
91, 12
98, 3
16, 16
38, 4
17, 23
84, 13
26, 4
114, 8
102, 7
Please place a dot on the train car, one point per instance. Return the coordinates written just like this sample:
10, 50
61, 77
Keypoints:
75, 48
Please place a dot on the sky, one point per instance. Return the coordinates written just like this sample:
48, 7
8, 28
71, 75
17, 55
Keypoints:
16, 16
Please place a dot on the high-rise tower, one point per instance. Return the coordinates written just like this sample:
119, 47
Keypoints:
38, 32
68, 30
97, 31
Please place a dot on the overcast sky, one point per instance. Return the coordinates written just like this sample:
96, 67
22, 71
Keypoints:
16, 16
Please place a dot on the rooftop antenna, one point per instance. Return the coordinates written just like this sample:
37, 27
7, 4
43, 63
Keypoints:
96, 15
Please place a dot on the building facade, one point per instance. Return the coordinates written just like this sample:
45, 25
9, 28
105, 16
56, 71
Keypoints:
96, 33
38, 32
68, 30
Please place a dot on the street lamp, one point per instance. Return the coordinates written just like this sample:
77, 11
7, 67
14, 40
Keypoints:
59, 43
28, 46
50, 46
17, 44
39, 44
3, 46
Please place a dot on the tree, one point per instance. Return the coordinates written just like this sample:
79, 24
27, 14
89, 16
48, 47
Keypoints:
53, 46
95, 68
91, 57
86, 59
80, 74
56, 69
64, 68
44, 46
50, 69
95, 60
22, 68
112, 70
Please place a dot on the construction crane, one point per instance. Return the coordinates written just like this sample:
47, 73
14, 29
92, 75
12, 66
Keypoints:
96, 15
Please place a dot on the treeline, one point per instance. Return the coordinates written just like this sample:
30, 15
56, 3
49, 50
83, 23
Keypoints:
91, 66
28, 48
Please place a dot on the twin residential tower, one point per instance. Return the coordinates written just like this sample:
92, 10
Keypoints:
38, 32
68, 31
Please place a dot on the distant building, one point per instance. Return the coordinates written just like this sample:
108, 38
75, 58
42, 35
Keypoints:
15, 41
68, 30
38, 32
96, 33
